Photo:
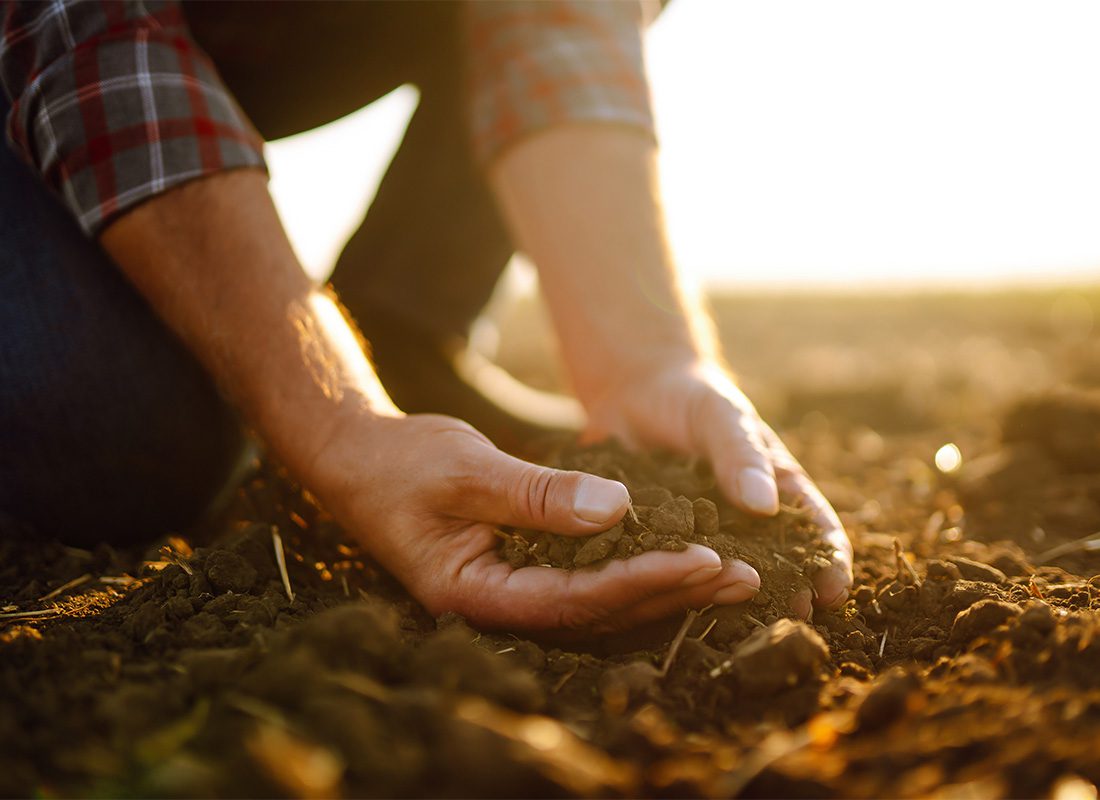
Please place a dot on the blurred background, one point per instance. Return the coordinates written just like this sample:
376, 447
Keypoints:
847, 145
893, 208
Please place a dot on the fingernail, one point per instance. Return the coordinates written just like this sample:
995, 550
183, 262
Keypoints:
802, 604
832, 586
734, 593
598, 500
702, 575
758, 490
838, 599
741, 572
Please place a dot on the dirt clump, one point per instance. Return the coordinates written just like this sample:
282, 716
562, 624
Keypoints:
778, 657
786, 549
966, 661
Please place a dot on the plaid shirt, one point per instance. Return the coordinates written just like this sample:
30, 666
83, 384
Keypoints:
114, 103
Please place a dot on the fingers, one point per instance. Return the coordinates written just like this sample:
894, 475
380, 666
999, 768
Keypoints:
504, 490
802, 604
831, 583
730, 437
621, 594
737, 582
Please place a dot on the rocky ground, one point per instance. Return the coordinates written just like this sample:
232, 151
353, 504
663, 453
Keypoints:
966, 664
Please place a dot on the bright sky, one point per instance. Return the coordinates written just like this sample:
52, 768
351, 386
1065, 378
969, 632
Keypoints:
839, 144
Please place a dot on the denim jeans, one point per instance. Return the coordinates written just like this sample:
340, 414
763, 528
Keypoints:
109, 429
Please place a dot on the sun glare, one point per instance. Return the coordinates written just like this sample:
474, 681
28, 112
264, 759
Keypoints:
845, 144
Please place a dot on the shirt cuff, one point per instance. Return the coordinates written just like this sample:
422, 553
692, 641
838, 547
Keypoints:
124, 118
535, 65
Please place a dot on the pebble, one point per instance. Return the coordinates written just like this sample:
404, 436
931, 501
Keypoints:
598, 547
942, 571
976, 570
229, 572
887, 700
1039, 617
674, 517
779, 657
706, 517
980, 618
966, 593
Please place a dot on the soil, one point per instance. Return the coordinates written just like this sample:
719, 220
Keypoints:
675, 501
965, 664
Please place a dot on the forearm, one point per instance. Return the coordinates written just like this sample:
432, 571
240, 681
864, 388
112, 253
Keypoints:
212, 259
583, 202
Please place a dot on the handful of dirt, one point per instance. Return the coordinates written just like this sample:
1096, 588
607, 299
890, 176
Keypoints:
669, 526
675, 502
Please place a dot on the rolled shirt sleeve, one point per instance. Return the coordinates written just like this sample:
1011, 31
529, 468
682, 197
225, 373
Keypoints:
534, 64
113, 103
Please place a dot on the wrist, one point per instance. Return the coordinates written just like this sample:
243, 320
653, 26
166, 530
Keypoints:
628, 376
342, 440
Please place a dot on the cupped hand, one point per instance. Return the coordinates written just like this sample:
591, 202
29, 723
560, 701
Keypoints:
696, 408
424, 493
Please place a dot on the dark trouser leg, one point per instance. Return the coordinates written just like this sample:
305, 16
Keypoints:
424, 262
431, 249
109, 430
433, 245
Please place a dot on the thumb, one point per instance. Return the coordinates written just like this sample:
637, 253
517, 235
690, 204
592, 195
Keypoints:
508, 491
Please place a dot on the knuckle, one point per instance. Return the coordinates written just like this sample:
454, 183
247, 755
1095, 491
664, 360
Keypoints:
580, 616
437, 603
464, 474
531, 493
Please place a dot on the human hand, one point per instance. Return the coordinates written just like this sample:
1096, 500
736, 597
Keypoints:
696, 408
424, 494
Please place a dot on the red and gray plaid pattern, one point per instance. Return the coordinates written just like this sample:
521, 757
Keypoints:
535, 64
114, 103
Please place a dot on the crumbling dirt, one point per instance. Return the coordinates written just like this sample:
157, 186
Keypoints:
965, 664
675, 501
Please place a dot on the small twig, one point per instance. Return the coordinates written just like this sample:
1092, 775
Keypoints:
257, 709
721, 669
797, 511
775, 747
280, 559
361, 685
505, 650
173, 557
882, 644
709, 628
565, 678
1085, 543
755, 621
78, 552
87, 576
344, 583
674, 648
9, 608
57, 611
633, 514
784, 560
117, 580
30, 614
933, 526
904, 565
